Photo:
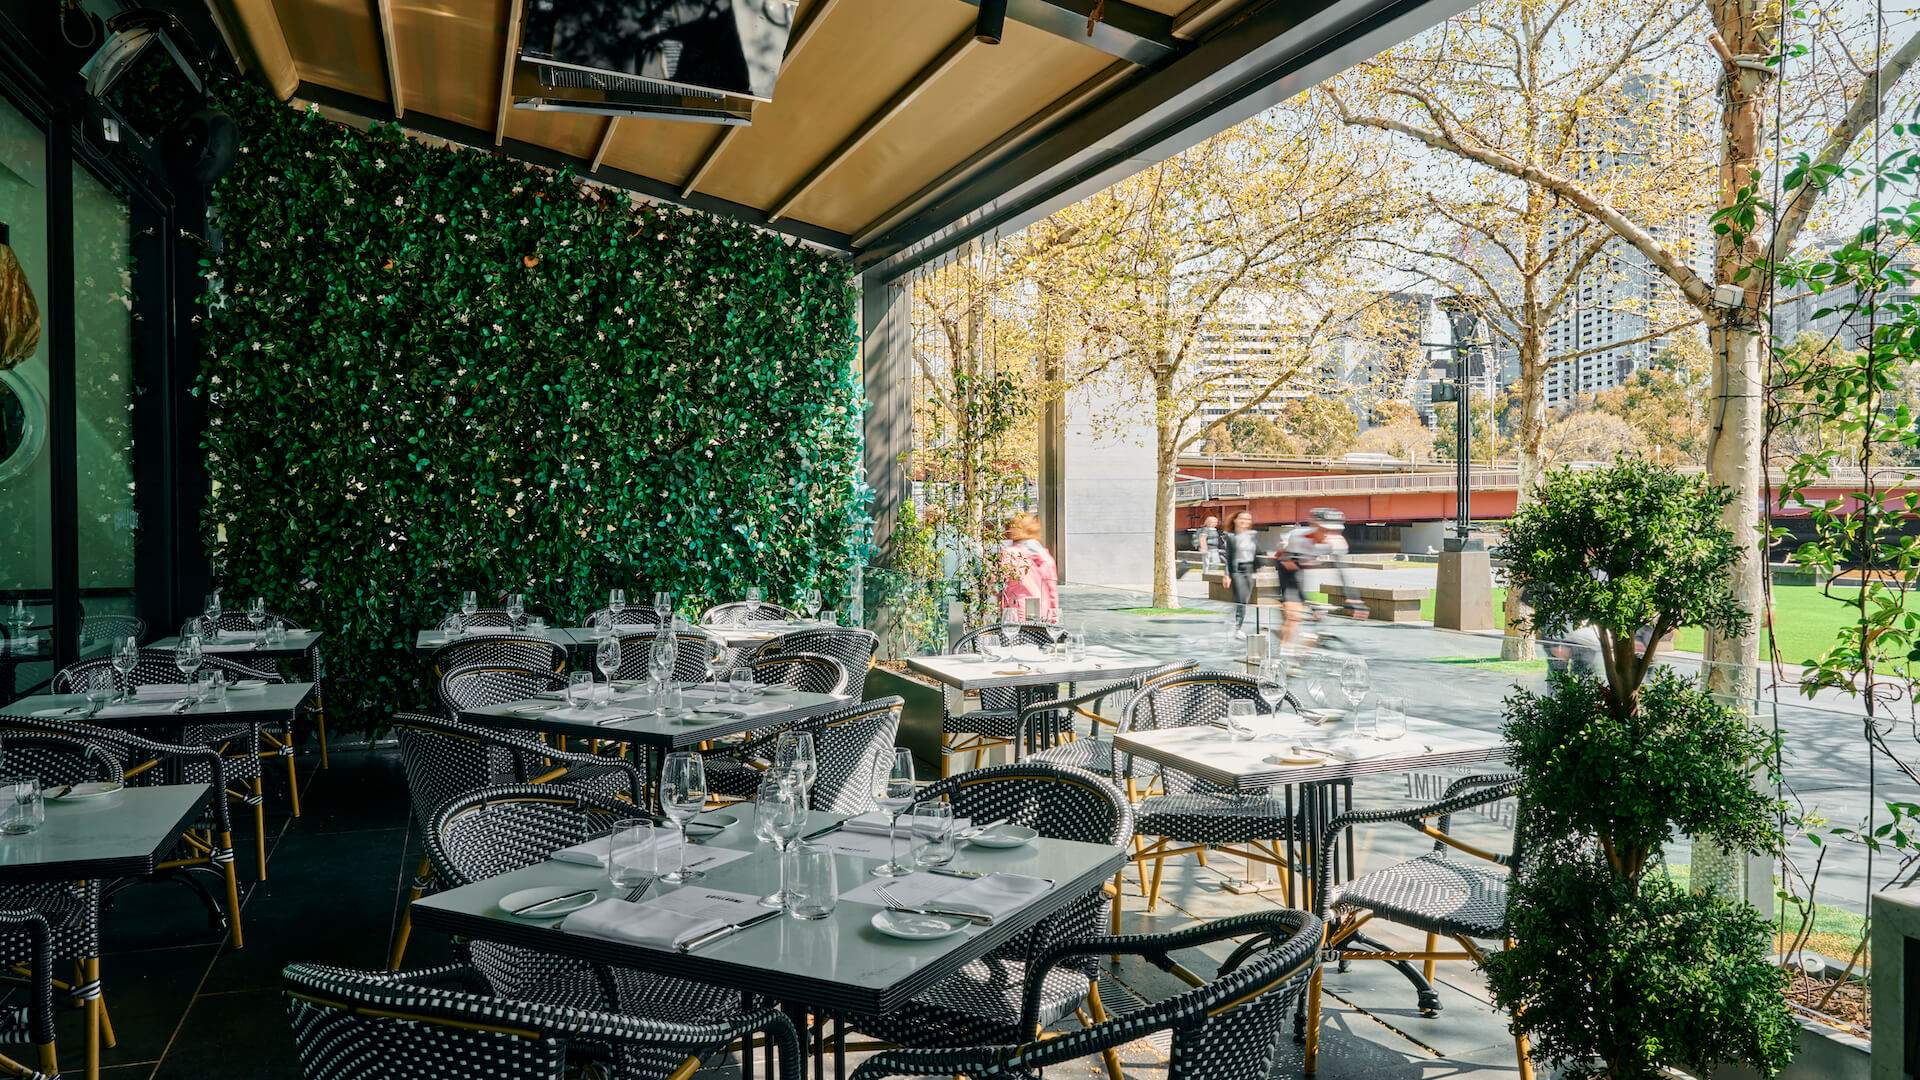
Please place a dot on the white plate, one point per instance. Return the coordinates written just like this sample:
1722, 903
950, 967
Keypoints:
513, 901
916, 927
1005, 836
92, 789
247, 684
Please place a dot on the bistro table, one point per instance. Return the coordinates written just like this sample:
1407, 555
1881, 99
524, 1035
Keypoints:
243, 644
760, 631
836, 964
119, 835
428, 642
1030, 671
271, 703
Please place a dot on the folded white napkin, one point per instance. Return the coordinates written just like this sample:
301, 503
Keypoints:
594, 852
641, 924
227, 646
162, 692
242, 635
742, 711
705, 692
136, 708
997, 894
879, 822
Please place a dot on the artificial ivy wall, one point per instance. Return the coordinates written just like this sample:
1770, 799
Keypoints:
429, 369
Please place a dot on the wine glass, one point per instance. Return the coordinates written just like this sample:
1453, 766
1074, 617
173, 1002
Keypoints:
683, 793
663, 608
212, 611
812, 602
469, 604
719, 666
794, 752
126, 657
516, 609
783, 808
1270, 682
188, 658
755, 594
606, 657
660, 659
257, 614
20, 618
1355, 680
894, 792
616, 601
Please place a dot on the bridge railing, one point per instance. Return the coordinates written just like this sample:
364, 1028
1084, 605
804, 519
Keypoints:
1379, 483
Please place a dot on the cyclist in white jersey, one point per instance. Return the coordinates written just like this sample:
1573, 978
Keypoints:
1301, 550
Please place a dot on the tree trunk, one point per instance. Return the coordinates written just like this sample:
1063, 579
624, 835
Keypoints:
1166, 461
1517, 644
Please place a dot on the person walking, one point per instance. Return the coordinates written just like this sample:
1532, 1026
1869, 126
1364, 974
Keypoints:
1242, 557
1311, 545
1211, 544
1029, 568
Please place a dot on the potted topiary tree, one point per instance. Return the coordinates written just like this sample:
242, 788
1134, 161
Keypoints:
1616, 970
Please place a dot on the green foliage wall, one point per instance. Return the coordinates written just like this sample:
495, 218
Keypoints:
429, 369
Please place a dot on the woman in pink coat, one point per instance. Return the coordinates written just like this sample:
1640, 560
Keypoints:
1030, 570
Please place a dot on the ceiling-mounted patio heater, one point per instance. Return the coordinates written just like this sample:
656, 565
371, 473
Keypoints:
700, 60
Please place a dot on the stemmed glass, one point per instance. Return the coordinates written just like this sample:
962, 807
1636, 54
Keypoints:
212, 612
683, 793
812, 603
1355, 680
660, 662
616, 602
663, 608
794, 752
780, 809
895, 793
20, 618
126, 657
187, 657
516, 609
606, 657
257, 614
755, 594
1270, 682
469, 604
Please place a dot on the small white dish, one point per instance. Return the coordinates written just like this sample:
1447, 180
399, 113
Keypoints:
92, 789
1298, 759
1004, 836
907, 927
514, 901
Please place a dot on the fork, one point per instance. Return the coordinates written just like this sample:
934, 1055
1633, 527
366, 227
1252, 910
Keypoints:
894, 903
641, 891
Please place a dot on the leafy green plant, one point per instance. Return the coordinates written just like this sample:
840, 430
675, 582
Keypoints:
1614, 971
430, 369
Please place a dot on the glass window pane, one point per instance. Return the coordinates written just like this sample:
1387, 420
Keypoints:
26, 480
103, 345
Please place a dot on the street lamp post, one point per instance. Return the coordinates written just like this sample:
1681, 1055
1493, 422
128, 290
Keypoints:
1463, 598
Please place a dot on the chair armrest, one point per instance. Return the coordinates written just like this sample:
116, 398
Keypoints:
39, 970
1462, 794
1031, 715
636, 786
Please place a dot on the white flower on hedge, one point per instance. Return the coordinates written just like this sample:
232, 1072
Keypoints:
348, 201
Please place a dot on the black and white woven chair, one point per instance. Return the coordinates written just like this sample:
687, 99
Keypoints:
631, 615
1192, 814
316, 673
695, 654
1458, 890
995, 1000
71, 909
495, 618
239, 743
853, 647
500, 650
444, 758
849, 744
480, 686
1043, 724
1227, 1028
364, 1025
742, 612
489, 832
108, 631
27, 938
996, 720
207, 845
808, 673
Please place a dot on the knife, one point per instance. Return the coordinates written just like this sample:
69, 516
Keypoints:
820, 832
978, 918
971, 875
552, 900
728, 930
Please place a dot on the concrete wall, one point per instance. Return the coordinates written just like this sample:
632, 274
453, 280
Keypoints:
1108, 539
1421, 537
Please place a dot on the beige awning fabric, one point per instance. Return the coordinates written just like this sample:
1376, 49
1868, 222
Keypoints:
881, 107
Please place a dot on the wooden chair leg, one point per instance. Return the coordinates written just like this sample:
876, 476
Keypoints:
233, 892
1433, 945
1153, 890
320, 727
293, 776
260, 825
1310, 1058
1110, 1055
1521, 1049
1119, 898
92, 974
49, 1060
406, 915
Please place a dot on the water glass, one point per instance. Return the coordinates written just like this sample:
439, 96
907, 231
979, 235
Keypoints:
740, 683
276, 632
217, 686
21, 808
932, 831
1366, 722
1391, 716
579, 689
100, 690
632, 859
1240, 720
813, 886
1077, 646
537, 623
830, 616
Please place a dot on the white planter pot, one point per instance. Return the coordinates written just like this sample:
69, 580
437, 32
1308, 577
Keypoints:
1825, 1053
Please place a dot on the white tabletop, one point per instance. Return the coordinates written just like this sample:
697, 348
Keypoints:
1030, 665
754, 632
1213, 754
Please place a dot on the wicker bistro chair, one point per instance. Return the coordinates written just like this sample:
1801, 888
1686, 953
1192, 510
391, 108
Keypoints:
207, 845
481, 686
361, 1025
491, 831
809, 673
742, 612
1002, 997
690, 663
631, 615
996, 722
71, 910
1457, 890
849, 744
316, 673
1191, 814
1042, 724
110, 630
532, 653
1227, 1028
444, 758
239, 743
28, 937
853, 647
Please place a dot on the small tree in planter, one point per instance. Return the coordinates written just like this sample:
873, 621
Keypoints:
1617, 972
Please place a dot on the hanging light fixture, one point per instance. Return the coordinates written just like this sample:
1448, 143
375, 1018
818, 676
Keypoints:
992, 20
19, 312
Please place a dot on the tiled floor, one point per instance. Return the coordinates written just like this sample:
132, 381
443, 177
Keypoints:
185, 1005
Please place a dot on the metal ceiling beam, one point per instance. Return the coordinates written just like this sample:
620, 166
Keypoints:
392, 54
502, 109
606, 140
905, 96
1252, 62
1125, 31
802, 37
353, 105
